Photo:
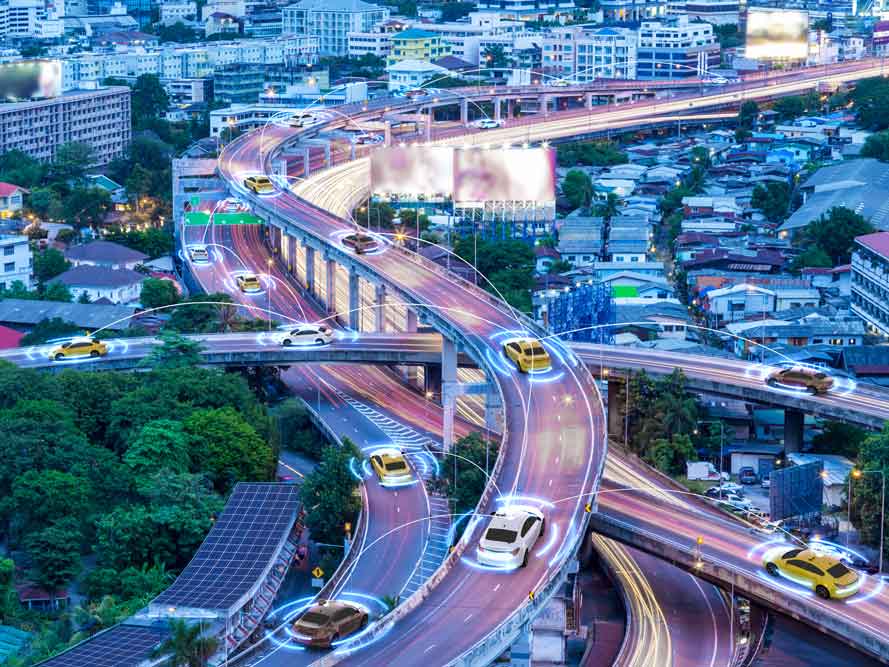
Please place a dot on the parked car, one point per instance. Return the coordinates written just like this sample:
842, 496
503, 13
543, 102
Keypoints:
766, 481
725, 489
747, 475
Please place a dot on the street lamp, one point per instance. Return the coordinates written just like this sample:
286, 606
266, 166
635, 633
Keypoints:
857, 474
721, 443
270, 261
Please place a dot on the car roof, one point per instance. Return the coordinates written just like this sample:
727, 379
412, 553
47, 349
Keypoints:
818, 559
389, 455
327, 607
509, 518
83, 339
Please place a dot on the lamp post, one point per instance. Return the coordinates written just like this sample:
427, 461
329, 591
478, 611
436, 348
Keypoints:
857, 474
721, 444
268, 288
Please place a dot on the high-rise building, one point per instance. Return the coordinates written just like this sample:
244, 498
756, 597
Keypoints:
331, 21
526, 10
633, 11
581, 53
676, 48
416, 44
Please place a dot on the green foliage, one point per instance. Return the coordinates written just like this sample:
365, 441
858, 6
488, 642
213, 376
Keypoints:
578, 189
813, 256
507, 265
49, 263
71, 161
835, 233
45, 202
839, 438
670, 456
55, 553
157, 293
871, 99
21, 169
494, 56
877, 146
49, 329
160, 444
451, 11
295, 429
329, 494
471, 478
42, 497
54, 291
728, 35
178, 33
187, 645
200, 314
154, 241
747, 117
590, 153
86, 206
375, 214
149, 101
866, 509
773, 198
174, 351
228, 448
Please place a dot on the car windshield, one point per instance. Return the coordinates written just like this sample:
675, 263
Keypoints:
501, 535
537, 349
838, 570
395, 465
793, 553
314, 618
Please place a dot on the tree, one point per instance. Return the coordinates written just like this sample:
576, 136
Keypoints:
157, 293
186, 645
471, 478
871, 99
55, 553
71, 161
452, 11
328, 494
670, 456
877, 146
228, 448
577, 188
590, 153
46, 330
607, 208
174, 351
729, 37
813, 256
835, 233
162, 443
54, 291
840, 438
86, 207
494, 56
149, 101
20, 168
45, 203
178, 32
42, 497
866, 501
49, 263
295, 429
199, 314
153, 241
507, 267
773, 199
747, 117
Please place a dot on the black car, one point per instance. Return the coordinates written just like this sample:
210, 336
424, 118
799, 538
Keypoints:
747, 475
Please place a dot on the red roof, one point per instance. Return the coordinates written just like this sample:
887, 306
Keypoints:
28, 592
878, 242
7, 189
9, 338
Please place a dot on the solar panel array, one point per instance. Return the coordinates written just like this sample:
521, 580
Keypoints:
120, 646
240, 546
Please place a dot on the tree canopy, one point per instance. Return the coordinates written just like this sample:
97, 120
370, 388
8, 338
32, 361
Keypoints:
834, 233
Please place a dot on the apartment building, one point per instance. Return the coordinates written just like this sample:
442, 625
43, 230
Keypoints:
331, 21
375, 42
526, 10
717, 12
28, 18
676, 48
582, 53
15, 261
633, 11
100, 118
870, 281
416, 44
468, 40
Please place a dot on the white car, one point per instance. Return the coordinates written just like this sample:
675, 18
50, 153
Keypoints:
487, 124
734, 503
509, 537
307, 334
560, 83
368, 138
301, 119
233, 205
199, 254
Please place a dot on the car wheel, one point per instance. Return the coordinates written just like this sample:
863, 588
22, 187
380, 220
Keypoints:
335, 638
319, 341
518, 367
364, 621
525, 559
59, 356
286, 342
772, 569
822, 592
542, 526
94, 354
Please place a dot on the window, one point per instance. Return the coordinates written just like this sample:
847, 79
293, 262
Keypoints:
838, 570
808, 567
527, 525
9, 267
8, 250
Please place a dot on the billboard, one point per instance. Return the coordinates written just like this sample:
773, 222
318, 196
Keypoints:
409, 171
777, 34
471, 175
796, 491
30, 79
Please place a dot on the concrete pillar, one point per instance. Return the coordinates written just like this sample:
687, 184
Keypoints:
520, 651
351, 151
793, 430
354, 301
464, 111
588, 100
448, 393
380, 309
430, 118
327, 155
493, 411
291, 255
307, 163
387, 133
310, 270
615, 410
510, 109
330, 265
544, 104
497, 101
411, 324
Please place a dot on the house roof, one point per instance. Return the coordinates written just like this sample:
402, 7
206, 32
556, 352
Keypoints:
87, 275
414, 33
7, 189
9, 338
105, 252
877, 242
25, 312
453, 63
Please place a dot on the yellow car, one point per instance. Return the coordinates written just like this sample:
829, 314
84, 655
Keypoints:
527, 354
78, 348
259, 184
825, 575
249, 283
391, 467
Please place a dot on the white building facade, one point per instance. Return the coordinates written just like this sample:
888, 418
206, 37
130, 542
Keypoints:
15, 261
331, 21
581, 54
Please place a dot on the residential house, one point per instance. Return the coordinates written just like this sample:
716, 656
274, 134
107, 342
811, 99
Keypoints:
580, 240
23, 314
105, 254
739, 302
15, 261
11, 199
99, 282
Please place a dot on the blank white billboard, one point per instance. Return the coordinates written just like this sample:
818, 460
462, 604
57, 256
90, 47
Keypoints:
777, 34
509, 174
30, 79
412, 170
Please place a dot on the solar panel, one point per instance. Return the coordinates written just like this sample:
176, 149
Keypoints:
241, 544
120, 646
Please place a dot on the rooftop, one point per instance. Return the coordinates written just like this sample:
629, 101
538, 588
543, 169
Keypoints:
105, 252
25, 312
86, 275
877, 242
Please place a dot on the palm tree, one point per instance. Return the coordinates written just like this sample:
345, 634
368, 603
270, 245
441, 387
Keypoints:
186, 645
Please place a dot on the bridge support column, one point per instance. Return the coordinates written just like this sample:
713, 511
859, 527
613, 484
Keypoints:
307, 163
354, 301
291, 255
411, 323
493, 412
351, 151
430, 118
497, 102
327, 160
464, 111
544, 104
310, 271
387, 133
520, 651
615, 409
380, 309
793, 430
448, 393
330, 266
588, 100
510, 109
